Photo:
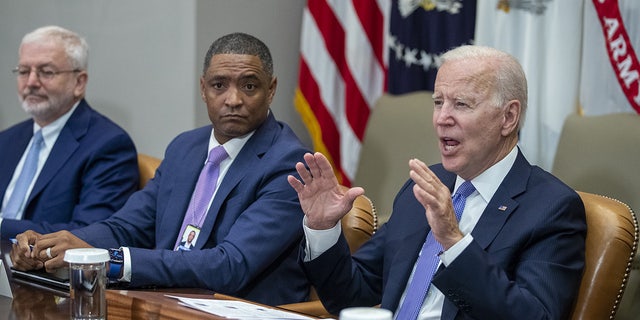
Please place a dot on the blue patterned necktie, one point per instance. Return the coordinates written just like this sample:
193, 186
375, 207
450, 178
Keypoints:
428, 262
205, 187
25, 178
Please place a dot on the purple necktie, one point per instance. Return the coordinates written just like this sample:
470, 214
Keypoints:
204, 190
29, 169
428, 262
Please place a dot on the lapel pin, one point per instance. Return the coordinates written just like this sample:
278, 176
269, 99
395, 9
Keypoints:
502, 208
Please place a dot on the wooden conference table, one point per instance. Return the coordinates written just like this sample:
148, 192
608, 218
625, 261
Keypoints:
35, 301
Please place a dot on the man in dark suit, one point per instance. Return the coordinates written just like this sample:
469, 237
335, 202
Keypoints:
516, 253
86, 165
246, 243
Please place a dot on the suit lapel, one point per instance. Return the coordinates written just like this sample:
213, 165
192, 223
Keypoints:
401, 265
68, 141
248, 158
502, 203
182, 180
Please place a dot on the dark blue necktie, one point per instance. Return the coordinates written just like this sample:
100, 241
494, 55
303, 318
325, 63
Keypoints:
428, 262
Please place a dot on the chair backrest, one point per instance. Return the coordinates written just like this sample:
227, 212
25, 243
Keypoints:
399, 129
147, 166
612, 240
601, 154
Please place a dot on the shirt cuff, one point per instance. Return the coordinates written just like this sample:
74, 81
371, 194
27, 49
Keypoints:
447, 257
126, 273
319, 241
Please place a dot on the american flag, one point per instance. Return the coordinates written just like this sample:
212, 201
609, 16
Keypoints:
342, 74
346, 50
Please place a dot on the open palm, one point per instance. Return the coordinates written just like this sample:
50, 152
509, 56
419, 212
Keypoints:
324, 201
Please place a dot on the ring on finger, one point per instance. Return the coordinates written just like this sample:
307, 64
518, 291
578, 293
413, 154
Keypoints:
49, 253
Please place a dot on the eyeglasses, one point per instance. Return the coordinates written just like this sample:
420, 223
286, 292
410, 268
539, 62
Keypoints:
44, 74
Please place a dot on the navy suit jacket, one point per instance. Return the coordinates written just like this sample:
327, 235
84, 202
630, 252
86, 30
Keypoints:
248, 244
90, 173
525, 261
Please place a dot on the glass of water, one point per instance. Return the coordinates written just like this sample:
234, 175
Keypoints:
87, 282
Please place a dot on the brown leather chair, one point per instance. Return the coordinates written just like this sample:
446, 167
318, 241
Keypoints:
360, 223
612, 240
147, 166
599, 154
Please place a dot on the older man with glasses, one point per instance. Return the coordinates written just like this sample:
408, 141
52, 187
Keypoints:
68, 165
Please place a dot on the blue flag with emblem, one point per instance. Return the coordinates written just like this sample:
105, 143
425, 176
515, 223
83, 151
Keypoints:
419, 32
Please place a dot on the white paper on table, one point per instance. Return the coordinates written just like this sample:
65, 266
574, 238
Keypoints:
237, 309
5, 287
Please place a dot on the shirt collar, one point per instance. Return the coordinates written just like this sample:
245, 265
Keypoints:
488, 182
232, 146
51, 131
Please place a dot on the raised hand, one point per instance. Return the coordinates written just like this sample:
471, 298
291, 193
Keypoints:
435, 197
324, 201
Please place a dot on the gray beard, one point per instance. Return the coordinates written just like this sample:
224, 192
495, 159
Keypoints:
47, 111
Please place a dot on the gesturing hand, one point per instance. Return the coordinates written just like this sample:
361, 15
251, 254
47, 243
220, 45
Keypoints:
435, 197
324, 201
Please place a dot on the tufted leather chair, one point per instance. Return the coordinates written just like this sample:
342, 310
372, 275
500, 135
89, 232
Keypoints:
360, 223
600, 155
612, 240
147, 166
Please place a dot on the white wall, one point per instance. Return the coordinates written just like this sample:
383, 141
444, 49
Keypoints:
146, 57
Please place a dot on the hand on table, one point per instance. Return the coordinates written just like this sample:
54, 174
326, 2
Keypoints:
35, 251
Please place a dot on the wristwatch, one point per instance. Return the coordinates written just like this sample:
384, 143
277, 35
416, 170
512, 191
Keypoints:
116, 260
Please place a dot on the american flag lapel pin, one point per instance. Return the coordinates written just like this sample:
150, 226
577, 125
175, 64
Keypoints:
502, 208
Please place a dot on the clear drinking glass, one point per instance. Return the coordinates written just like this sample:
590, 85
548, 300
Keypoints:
87, 282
